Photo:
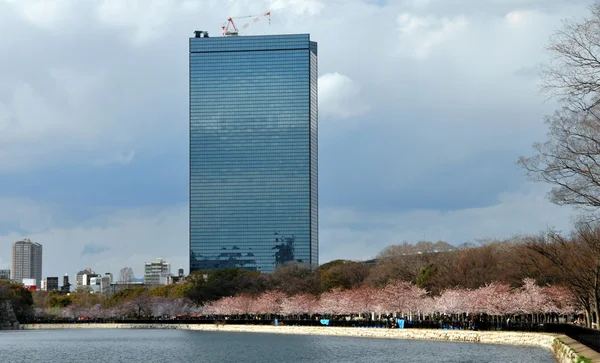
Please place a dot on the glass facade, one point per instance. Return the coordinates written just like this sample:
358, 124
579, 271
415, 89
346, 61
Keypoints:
253, 152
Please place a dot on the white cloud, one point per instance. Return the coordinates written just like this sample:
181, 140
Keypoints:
520, 18
126, 158
145, 18
47, 14
77, 86
4, 119
298, 7
422, 34
122, 158
26, 214
38, 126
340, 97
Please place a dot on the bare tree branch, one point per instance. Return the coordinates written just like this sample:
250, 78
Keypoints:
570, 159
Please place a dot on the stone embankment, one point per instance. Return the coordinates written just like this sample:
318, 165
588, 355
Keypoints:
564, 349
8, 320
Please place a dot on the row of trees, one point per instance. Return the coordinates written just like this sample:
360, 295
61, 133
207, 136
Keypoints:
405, 299
397, 297
140, 307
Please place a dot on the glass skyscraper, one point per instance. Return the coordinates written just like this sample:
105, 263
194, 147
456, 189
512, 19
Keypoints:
253, 151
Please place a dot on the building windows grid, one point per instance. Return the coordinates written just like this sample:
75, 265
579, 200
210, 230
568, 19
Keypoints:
253, 150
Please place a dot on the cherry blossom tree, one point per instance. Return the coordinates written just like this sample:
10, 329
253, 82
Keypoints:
213, 308
244, 304
115, 312
362, 300
402, 297
560, 300
335, 302
269, 302
167, 307
453, 301
300, 304
71, 312
496, 300
530, 298
493, 299
233, 305
138, 306
93, 312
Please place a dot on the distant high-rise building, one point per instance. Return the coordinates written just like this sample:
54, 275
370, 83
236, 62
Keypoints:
5, 274
82, 277
253, 151
27, 261
95, 284
157, 272
66, 286
87, 278
50, 284
105, 283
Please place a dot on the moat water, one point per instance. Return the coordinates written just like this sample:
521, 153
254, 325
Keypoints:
132, 346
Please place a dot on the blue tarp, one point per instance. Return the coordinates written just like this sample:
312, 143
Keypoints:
400, 323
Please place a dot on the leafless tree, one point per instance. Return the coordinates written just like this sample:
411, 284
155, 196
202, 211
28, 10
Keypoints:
578, 259
573, 73
397, 262
570, 159
126, 275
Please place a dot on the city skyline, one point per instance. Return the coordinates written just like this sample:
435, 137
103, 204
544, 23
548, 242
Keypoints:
253, 152
424, 108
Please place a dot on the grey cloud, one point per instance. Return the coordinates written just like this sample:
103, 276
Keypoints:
527, 72
93, 249
364, 234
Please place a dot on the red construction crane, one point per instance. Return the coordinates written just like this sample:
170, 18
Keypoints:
233, 31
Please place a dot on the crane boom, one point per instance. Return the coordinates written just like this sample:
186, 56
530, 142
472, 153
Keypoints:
229, 28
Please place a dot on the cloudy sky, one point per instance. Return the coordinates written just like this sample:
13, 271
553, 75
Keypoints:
425, 105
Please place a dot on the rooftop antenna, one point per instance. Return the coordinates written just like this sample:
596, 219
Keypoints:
229, 29
200, 34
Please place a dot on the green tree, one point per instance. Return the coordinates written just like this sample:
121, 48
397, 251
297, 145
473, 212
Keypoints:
174, 290
342, 274
213, 285
125, 295
58, 301
296, 278
20, 298
426, 276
